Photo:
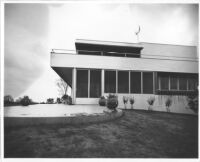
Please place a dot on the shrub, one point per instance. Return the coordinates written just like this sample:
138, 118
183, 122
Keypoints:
66, 99
193, 102
112, 101
102, 101
150, 102
69, 100
125, 100
132, 101
168, 103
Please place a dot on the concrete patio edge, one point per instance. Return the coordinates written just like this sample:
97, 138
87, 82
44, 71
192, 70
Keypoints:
72, 120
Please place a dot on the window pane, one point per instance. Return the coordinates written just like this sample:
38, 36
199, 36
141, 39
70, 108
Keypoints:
110, 81
95, 83
123, 82
192, 84
182, 83
173, 83
135, 82
164, 83
82, 83
147, 82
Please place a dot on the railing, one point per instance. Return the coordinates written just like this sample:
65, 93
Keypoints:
123, 54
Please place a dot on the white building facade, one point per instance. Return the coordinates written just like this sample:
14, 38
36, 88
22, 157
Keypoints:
141, 70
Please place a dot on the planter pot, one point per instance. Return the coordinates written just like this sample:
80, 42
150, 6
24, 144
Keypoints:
132, 106
150, 108
168, 109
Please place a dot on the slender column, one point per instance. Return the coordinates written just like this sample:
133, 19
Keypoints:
159, 84
129, 82
74, 86
154, 87
102, 81
141, 82
88, 83
116, 81
178, 83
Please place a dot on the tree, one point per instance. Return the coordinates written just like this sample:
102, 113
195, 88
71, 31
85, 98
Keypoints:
62, 86
25, 101
58, 100
50, 101
8, 99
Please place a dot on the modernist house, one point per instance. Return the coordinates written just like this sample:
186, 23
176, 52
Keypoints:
142, 70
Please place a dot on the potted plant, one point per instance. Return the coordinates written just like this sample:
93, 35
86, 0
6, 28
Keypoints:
125, 100
132, 101
168, 103
102, 101
112, 102
151, 102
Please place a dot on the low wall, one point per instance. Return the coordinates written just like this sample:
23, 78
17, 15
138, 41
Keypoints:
73, 120
179, 103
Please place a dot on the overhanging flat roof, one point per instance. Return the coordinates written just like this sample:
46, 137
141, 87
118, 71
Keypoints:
109, 43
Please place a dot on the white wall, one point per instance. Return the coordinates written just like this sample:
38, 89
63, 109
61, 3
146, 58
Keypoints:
169, 50
105, 62
179, 103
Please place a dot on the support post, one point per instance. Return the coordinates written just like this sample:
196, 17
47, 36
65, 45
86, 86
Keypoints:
129, 81
102, 81
116, 81
74, 86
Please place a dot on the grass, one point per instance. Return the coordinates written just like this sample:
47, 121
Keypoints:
138, 134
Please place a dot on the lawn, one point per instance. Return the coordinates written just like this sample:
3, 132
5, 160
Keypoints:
138, 134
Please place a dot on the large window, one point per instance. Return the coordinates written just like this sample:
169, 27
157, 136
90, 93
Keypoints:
135, 82
147, 82
82, 83
110, 81
123, 82
178, 82
192, 84
164, 83
95, 83
173, 82
182, 83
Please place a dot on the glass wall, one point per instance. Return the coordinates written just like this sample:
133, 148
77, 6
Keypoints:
192, 84
147, 82
82, 83
178, 81
164, 83
182, 83
95, 83
135, 82
123, 82
110, 81
173, 82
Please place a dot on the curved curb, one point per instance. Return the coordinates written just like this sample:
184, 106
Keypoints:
72, 120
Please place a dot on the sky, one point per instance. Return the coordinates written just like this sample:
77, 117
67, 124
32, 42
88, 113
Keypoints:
32, 30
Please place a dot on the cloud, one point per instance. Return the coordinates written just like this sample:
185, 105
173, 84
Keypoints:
167, 23
26, 45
